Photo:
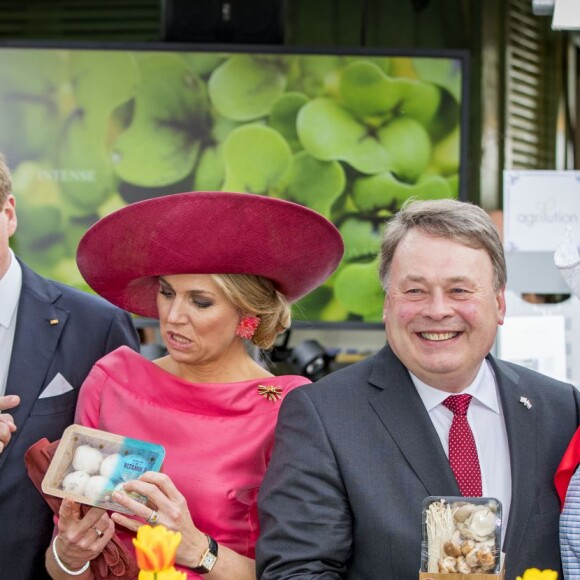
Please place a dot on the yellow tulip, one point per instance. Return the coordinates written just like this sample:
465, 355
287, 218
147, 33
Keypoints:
168, 574
535, 574
155, 548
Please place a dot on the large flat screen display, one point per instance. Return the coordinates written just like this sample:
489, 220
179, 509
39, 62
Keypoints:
351, 134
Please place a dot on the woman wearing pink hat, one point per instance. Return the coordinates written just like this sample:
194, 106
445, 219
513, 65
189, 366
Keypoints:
219, 270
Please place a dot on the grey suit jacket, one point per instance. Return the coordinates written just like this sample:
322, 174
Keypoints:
88, 328
356, 454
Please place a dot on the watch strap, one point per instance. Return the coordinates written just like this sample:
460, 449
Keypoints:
209, 557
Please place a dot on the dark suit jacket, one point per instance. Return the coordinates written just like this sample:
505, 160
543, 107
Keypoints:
88, 328
356, 454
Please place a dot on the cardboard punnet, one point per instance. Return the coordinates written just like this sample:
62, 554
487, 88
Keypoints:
132, 457
440, 576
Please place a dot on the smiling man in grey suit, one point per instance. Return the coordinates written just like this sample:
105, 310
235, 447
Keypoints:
356, 453
50, 337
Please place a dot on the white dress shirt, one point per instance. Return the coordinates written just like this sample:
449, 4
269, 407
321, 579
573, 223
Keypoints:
10, 287
486, 420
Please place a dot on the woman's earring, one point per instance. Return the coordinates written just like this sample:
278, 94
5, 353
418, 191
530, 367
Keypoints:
247, 327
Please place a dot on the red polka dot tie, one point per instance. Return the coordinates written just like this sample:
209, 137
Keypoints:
462, 450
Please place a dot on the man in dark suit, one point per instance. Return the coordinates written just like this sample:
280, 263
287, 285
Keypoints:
357, 453
50, 337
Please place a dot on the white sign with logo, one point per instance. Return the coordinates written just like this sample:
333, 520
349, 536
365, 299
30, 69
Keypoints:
536, 342
538, 205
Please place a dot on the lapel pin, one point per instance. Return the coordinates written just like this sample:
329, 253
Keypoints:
53, 321
526, 402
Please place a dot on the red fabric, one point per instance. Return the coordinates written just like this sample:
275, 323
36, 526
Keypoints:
462, 450
115, 561
567, 467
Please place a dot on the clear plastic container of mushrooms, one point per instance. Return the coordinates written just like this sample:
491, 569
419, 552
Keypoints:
90, 464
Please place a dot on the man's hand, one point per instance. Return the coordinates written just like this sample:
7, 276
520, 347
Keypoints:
7, 426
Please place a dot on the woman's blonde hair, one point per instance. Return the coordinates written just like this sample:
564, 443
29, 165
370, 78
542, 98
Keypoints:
256, 295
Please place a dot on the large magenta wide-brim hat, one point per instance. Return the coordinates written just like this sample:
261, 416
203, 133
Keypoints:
207, 232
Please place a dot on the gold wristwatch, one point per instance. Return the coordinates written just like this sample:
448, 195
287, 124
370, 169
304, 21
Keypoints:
209, 557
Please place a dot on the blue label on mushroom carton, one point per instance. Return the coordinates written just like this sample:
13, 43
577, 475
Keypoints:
134, 458
132, 466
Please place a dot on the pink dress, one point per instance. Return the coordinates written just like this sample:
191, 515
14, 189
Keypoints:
218, 437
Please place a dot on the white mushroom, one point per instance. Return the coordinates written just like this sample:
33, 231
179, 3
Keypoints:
448, 565
75, 482
95, 487
110, 466
463, 512
471, 558
462, 566
440, 527
480, 524
467, 546
87, 459
490, 543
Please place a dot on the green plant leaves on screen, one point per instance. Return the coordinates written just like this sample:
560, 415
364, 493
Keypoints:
351, 136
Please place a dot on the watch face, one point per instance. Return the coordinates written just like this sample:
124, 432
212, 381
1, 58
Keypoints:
208, 561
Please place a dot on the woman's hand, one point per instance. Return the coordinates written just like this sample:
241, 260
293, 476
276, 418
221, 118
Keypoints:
81, 539
170, 505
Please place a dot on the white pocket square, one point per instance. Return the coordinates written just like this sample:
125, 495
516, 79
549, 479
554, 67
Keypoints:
58, 386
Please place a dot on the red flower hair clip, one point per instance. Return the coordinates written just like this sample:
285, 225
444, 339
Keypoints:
247, 327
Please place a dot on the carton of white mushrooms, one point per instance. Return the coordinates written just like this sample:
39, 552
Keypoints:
461, 537
90, 464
